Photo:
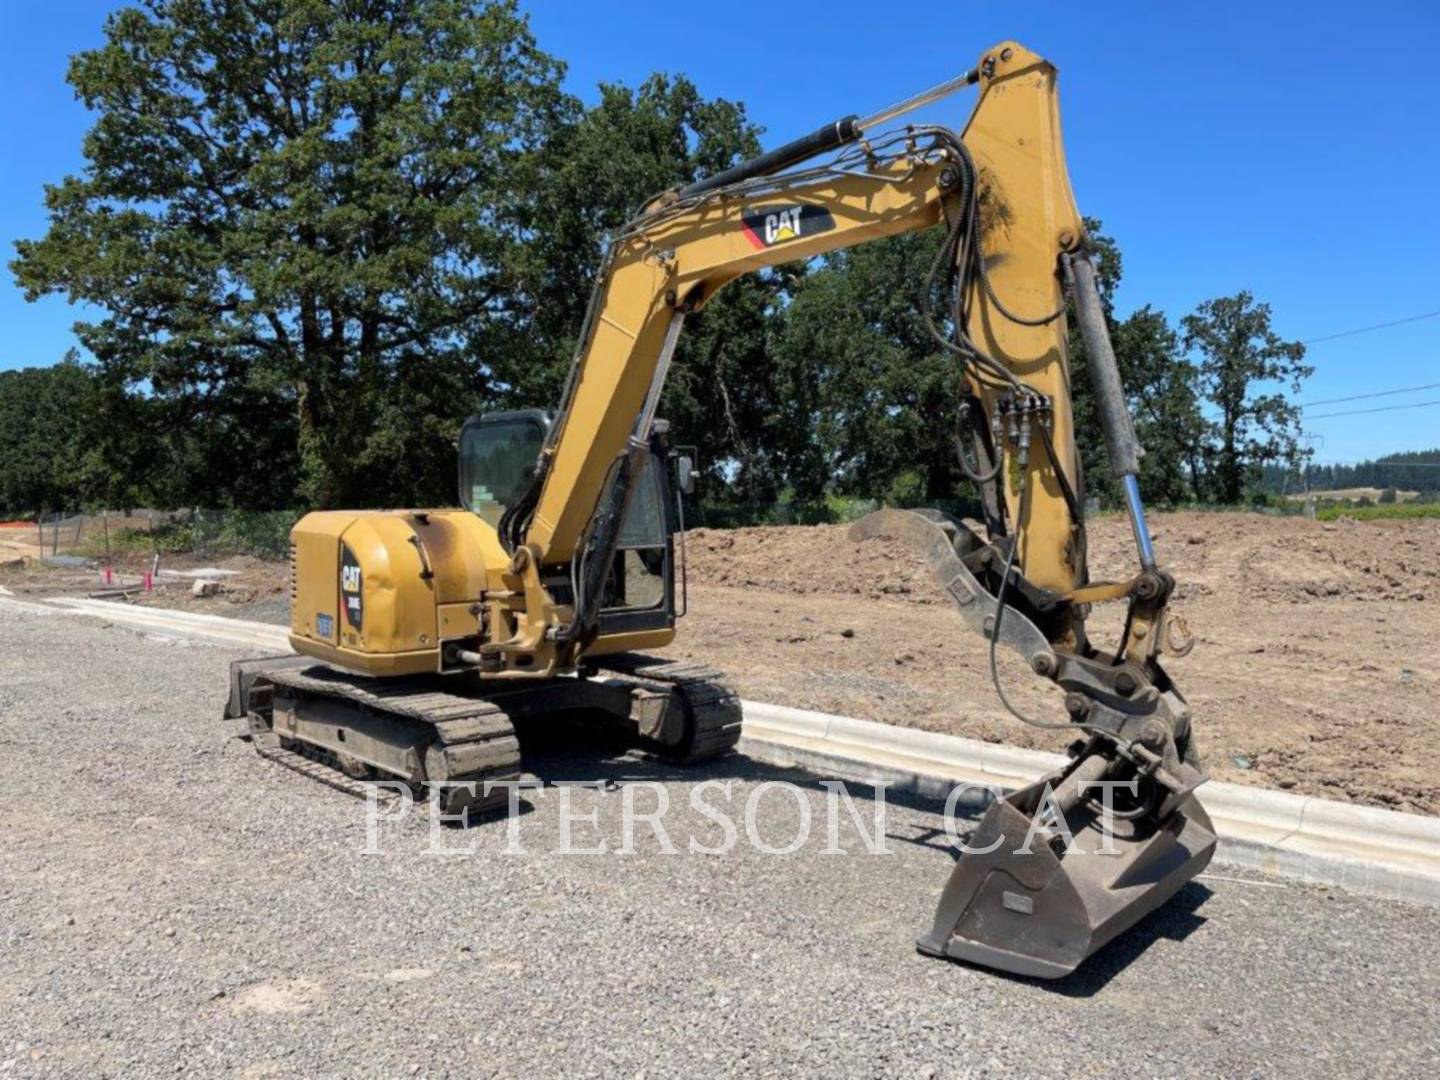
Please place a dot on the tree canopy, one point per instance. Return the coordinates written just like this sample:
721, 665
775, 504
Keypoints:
45, 419
1243, 368
318, 234
298, 218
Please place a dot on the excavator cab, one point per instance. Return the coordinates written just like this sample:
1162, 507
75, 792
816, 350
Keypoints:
498, 452
498, 456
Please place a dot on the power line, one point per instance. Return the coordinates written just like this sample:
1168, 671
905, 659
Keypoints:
1383, 408
1361, 397
1367, 329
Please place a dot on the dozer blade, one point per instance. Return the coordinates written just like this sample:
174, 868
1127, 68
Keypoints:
1041, 912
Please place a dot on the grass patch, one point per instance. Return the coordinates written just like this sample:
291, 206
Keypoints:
263, 534
123, 543
1379, 512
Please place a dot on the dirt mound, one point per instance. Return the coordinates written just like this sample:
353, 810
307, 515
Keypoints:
1333, 701
1374, 560
1244, 556
804, 560
1289, 559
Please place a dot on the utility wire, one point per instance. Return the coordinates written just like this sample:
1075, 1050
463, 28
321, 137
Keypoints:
1383, 408
1367, 329
1361, 397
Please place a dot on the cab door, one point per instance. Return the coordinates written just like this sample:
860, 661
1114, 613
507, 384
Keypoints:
640, 592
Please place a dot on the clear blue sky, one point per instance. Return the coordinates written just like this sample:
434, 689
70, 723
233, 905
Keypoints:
1290, 149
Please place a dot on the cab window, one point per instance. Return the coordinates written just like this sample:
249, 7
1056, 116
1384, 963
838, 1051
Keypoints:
640, 571
497, 461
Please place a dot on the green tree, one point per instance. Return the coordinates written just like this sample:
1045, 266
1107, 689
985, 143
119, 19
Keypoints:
1240, 358
45, 434
634, 143
297, 217
871, 399
1161, 386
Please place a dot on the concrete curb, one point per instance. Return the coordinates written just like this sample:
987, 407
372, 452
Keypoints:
10, 602
160, 620
1378, 852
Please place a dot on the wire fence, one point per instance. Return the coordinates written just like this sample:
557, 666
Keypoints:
121, 535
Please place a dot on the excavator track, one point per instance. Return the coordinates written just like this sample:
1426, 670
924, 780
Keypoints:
317, 769
710, 727
413, 731
346, 730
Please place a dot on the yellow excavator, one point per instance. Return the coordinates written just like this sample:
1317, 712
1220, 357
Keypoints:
422, 635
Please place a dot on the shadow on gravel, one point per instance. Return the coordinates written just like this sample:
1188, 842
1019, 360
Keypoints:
579, 749
1176, 921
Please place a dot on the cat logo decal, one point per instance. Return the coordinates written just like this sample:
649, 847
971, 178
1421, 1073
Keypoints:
766, 226
352, 593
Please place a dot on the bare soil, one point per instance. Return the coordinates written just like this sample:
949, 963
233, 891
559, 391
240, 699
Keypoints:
18, 543
1315, 668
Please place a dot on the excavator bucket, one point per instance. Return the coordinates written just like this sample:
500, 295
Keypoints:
1040, 909
1051, 874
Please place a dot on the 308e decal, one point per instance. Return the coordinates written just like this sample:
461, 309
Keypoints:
766, 226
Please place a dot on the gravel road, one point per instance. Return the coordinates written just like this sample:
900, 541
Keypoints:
172, 904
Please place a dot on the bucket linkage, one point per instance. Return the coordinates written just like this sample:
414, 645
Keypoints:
1059, 868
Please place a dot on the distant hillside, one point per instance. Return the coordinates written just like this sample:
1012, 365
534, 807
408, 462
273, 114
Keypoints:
1413, 470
